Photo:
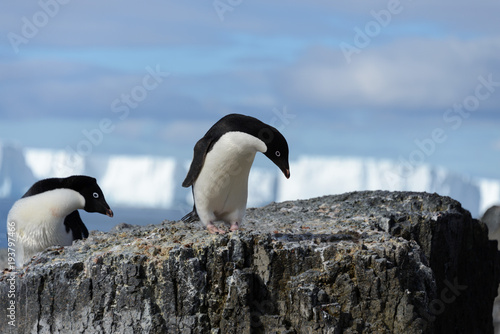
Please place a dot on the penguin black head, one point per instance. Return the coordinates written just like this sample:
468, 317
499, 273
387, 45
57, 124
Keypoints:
277, 148
94, 198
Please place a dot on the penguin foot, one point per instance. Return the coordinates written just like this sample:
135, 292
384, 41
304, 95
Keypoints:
214, 229
234, 227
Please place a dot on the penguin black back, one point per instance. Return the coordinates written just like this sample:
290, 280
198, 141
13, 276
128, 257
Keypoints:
75, 182
85, 185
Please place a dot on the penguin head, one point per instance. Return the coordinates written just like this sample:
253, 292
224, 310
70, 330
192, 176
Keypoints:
94, 198
277, 148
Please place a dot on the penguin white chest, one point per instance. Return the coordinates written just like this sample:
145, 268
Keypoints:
220, 191
39, 221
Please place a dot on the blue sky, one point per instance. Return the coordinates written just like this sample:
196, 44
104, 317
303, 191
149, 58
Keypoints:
405, 80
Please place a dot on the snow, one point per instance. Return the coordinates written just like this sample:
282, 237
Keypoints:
139, 181
130, 181
317, 176
155, 182
53, 163
490, 193
261, 186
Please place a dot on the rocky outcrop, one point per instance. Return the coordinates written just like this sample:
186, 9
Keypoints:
492, 219
363, 262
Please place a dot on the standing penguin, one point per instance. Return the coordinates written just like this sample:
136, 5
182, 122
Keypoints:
47, 214
221, 164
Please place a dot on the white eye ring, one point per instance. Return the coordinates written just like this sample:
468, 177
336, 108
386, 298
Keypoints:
278, 153
96, 195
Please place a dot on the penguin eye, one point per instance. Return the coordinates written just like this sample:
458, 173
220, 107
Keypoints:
278, 153
96, 195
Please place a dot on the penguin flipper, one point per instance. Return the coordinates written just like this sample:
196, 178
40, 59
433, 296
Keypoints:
191, 217
201, 149
74, 222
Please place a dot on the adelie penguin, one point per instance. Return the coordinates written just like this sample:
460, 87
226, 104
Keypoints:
47, 215
221, 164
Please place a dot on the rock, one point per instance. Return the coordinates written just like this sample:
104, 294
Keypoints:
362, 262
3, 258
492, 219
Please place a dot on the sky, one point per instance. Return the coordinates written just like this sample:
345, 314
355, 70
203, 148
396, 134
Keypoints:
412, 81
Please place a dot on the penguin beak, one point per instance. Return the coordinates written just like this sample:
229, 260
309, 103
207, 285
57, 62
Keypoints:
287, 173
109, 213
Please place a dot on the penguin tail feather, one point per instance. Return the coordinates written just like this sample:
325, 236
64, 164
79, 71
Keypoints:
190, 217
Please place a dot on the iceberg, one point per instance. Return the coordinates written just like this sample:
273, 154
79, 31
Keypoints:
318, 176
126, 180
139, 181
142, 181
15, 175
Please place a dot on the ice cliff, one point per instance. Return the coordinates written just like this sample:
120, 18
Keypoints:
154, 182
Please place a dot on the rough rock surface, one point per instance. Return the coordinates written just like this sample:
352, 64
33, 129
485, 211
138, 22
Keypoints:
492, 219
363, 262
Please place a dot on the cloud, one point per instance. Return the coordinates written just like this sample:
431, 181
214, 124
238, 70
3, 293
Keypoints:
263, 55
114, 23
496, 145
129, 23
404, 74
38, 87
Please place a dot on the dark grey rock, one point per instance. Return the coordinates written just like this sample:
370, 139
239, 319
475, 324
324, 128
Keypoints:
121, 227
363, 262
3, 258
492, 219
